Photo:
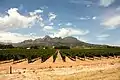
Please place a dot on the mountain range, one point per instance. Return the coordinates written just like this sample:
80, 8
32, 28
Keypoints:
57, 41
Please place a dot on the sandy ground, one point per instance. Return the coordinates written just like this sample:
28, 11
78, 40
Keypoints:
105, 69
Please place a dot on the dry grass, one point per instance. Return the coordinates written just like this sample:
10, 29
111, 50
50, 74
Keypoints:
110, 74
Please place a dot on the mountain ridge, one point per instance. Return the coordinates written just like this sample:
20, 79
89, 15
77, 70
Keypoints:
56, 41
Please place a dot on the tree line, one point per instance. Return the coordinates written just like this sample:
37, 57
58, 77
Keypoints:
9, 46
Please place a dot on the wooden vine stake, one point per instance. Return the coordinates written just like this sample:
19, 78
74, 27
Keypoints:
10, 69
84, 57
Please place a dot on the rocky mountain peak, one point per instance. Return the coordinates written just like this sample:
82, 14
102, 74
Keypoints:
47, 38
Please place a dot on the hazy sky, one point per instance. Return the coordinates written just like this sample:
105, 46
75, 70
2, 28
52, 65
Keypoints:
94, 21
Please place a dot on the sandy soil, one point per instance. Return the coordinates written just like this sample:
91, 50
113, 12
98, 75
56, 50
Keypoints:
105, 69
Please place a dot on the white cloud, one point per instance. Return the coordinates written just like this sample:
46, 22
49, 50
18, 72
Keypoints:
39, 11
82, 2
41, 24
15, 37
44, 7
48, 27
36, 12
51, 24
112, 22
51, 16
32, 34
63, 32
87, 18
102, 37
14, 19
82, 38
106, 3
69, 24
84, 18
88, 5
94, 17
59, 24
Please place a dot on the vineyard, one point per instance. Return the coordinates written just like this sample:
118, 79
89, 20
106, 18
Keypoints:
91, 53
25, 54
18, 54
